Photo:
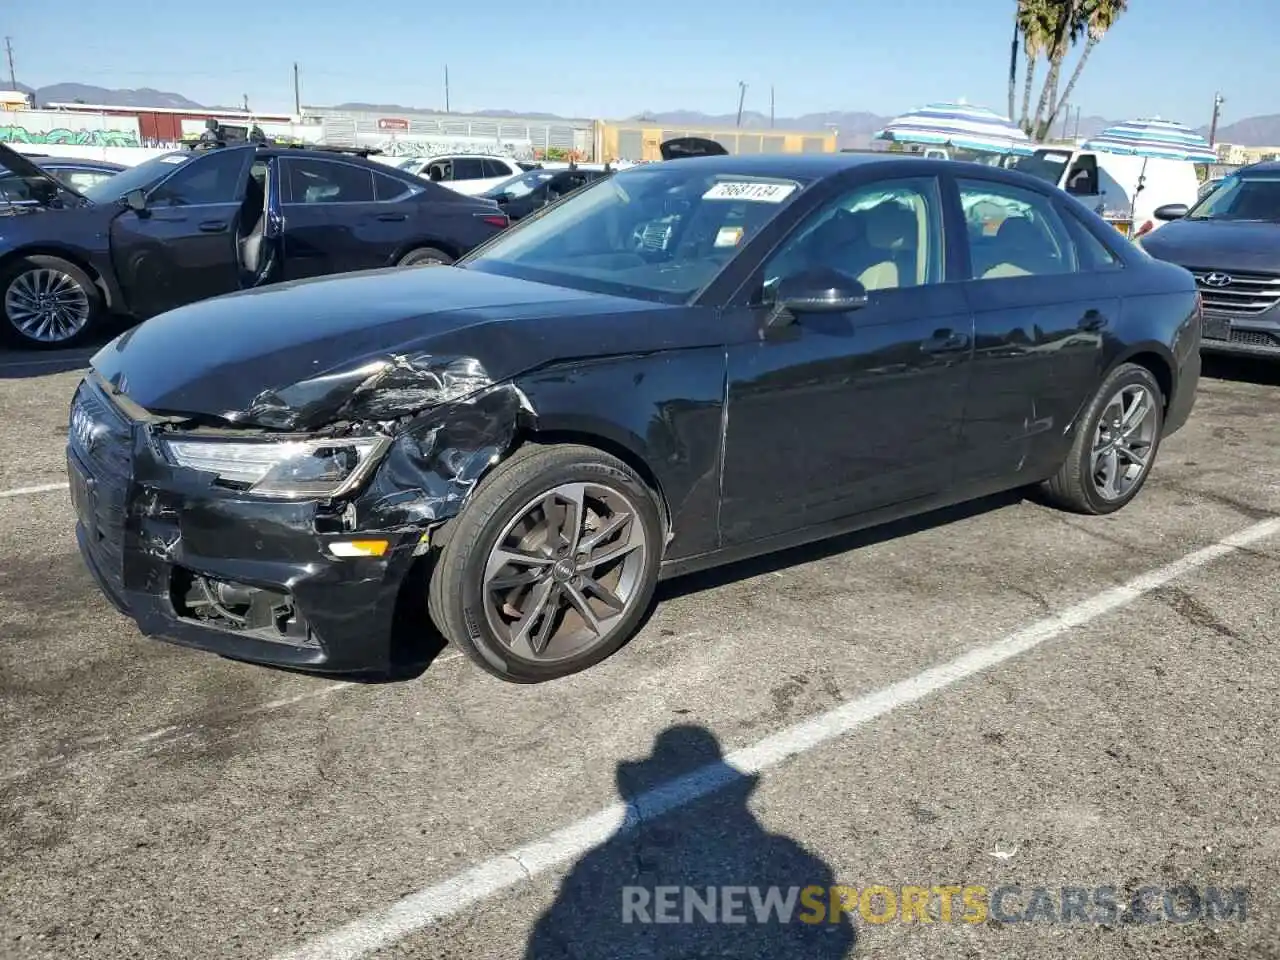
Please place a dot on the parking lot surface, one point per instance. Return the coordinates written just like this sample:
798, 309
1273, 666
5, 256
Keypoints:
161, 802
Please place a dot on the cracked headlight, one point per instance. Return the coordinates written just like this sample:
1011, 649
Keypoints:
291, 469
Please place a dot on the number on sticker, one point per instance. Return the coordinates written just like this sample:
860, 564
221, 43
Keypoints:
755, 192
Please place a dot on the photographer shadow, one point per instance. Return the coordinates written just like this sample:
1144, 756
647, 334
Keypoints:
692, 832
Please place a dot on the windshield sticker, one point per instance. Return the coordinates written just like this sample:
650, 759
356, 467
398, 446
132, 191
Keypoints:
746, 190
729, 237
175, 159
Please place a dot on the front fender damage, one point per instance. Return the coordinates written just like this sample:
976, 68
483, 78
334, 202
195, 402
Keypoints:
436, 461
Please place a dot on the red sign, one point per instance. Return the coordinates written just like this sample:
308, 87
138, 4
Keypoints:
393, 123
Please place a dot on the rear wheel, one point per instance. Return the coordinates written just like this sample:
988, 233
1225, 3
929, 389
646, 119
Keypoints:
1116, 444
48, 302
425, 256
550, 566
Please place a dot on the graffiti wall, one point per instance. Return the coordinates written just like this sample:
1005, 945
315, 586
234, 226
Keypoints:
429, 146
72, 129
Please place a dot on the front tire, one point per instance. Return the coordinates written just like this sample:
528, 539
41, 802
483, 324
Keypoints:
550, 566
1115, 447
48, 303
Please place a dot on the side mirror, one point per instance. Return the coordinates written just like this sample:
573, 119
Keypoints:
502, 198
820, 291
136, 201
1171, 211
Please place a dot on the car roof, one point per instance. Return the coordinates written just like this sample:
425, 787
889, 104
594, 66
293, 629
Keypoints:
1266, 166
819, 166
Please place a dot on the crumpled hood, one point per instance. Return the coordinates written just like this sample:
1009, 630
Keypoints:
1217, 245
371, 345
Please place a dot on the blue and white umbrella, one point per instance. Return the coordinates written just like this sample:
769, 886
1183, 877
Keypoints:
1154, 139
959, 125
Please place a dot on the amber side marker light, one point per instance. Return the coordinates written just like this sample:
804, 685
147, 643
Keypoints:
358, 548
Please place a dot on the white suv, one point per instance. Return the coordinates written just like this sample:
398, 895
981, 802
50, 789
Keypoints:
466, 173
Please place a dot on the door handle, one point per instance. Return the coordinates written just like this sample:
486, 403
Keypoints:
213, 226
392, 217
945, 341
1092, 320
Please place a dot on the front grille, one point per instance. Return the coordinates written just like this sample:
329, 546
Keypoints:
1243, 295
101, 438
1254, 338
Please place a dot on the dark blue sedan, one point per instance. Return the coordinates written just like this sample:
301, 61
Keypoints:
194, 224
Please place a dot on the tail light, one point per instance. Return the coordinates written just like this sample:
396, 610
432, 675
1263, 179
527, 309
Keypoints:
499, 220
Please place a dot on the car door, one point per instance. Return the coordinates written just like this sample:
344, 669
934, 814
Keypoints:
839, 414
332, 220
181, 246
1044, 291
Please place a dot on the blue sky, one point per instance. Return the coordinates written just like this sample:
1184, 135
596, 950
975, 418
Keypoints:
594, 59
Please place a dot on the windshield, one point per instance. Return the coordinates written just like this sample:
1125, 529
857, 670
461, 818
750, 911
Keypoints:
1241, 198
1045, 165
659, 232
134, 178
521, 185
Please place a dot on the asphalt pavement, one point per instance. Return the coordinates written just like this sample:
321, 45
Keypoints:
990, 705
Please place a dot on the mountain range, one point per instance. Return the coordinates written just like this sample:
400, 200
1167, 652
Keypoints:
855, 128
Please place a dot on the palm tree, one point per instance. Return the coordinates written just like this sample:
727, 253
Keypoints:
1035, 24
1097, 16
1064, 22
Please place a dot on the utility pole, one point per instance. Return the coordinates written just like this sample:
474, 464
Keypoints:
742, 95
1213, 125
446, 88
297, 94
8, 49
770, 106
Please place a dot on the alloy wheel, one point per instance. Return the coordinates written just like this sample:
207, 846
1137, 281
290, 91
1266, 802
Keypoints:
1124, 441
563, 574
47, 305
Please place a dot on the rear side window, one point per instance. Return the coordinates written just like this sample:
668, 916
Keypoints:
468, 168
1091, 253
325, 181
496, 168
388, 188
1014, 232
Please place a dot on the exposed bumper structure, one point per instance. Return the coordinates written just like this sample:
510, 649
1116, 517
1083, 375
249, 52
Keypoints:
220, 571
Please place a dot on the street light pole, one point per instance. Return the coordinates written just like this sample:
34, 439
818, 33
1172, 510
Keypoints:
742, 95
1213, 125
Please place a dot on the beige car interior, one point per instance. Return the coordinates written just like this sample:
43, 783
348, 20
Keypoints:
1019, 249
884, 246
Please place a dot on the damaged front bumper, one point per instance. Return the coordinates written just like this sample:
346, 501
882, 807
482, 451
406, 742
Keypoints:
304, 583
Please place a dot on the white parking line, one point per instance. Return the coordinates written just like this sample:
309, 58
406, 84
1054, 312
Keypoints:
30, 491
450, 897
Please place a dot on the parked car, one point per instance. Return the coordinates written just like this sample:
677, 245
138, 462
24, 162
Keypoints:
197, 223
468, 174
70, 170
533, 437
521, 195
1230, 241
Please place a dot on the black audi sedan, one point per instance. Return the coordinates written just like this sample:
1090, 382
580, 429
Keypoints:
685, 364
1230, 240
194, 224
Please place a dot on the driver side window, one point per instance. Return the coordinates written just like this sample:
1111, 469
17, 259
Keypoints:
213, 178
887, 234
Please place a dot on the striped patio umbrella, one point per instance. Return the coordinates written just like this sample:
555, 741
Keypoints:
1154, 138
959, 125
